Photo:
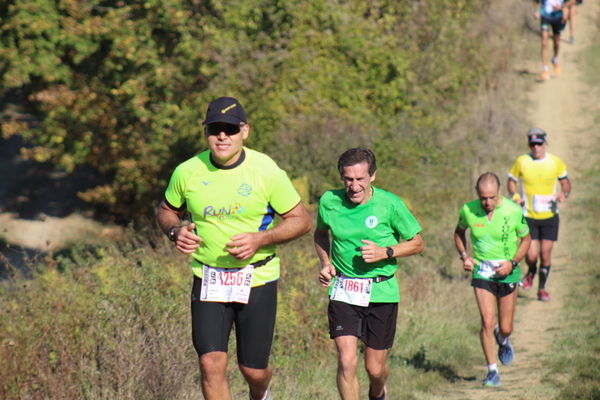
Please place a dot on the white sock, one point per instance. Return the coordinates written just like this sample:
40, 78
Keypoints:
554, 60
546, 68
492, 367
503, 339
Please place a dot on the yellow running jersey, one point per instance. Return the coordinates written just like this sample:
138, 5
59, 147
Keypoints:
538, 183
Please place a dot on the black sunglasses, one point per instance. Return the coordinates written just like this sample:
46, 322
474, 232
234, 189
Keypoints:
535, 144
218, 127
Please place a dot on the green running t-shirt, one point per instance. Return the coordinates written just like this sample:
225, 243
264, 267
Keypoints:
496, 239
225, 201
384, 220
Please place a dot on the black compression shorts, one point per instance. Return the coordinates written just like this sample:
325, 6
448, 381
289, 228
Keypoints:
544, 229
375, 324
254, 324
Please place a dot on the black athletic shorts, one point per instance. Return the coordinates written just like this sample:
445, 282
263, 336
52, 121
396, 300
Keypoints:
557, 25
544, 229
375, 324
498, 289
254, 324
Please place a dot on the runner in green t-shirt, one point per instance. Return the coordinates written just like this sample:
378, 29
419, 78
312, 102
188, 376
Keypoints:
369, 229
232, 194
496, 225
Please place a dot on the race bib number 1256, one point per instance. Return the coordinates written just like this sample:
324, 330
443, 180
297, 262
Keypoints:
226, 285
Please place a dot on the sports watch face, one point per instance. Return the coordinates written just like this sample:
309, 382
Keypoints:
390, 252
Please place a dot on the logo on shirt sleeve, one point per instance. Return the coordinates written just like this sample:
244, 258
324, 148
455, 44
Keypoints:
371, 222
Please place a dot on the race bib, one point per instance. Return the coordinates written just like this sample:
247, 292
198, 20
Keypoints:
543, 203
552, 5
355, 291
226, 285
487, 268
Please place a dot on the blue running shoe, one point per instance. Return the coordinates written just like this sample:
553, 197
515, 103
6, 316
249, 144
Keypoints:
492, 379
505, 351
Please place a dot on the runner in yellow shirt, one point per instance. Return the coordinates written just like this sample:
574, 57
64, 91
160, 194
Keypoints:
233, 194
538, 172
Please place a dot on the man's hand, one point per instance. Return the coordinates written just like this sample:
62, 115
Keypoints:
504, 269
371, 252
244, 245
468, 263
560, 197
186, 239
326, 275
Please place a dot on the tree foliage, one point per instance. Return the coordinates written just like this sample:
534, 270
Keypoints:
123, 85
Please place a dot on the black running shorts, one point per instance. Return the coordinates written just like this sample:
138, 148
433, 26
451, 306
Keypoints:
498, 289
557, 25
254, 324
375, 324
543, 229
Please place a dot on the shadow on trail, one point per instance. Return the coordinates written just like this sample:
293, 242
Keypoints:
29, 188
16, 260
419, 361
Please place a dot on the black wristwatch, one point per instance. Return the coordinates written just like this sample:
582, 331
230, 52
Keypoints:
514, 263
389, 252
171, 233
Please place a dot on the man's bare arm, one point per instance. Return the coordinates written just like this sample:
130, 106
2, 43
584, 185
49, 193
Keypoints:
296, 223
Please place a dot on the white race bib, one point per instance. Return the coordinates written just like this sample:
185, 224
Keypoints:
543, 203
226, 285
552, 5
487, 268
355, 291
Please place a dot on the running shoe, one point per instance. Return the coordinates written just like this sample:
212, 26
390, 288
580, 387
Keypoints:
382, 397
526, 282
543, 295
267, 395
544, 76
505, 351
556, 67
492, 379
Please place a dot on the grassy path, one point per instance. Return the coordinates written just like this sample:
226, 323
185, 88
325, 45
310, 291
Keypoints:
558, 106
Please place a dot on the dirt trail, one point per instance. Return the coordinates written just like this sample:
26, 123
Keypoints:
558, 106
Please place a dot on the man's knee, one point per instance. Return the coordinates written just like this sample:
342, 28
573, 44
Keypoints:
347, 363
546, 254
255, 375
376, 369
213, 364
505, 329
488, 323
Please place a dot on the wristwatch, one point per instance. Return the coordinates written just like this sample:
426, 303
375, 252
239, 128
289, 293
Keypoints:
389, 252
514, 263
171, 233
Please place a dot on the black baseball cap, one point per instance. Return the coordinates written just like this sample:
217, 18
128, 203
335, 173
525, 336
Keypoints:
536, 135
225, 109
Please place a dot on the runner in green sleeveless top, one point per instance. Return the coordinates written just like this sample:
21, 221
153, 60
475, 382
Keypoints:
500, 239
232, 194
369, 229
